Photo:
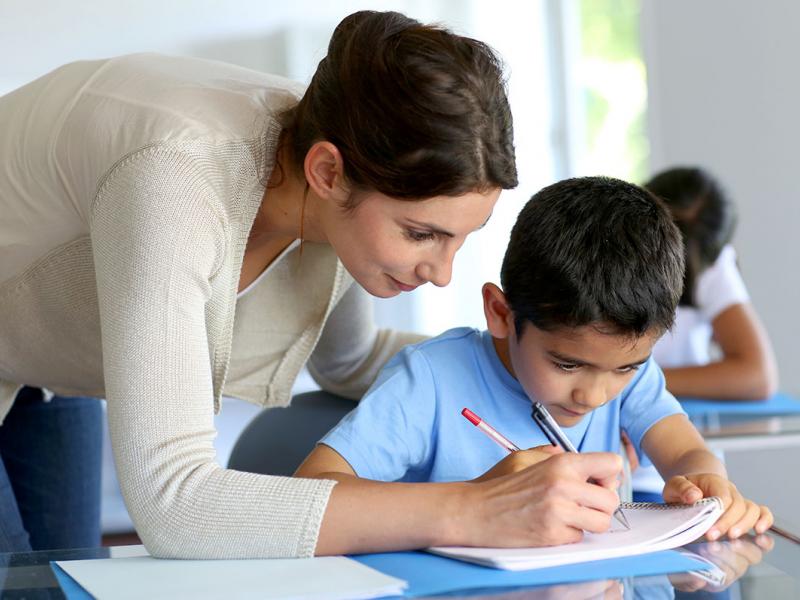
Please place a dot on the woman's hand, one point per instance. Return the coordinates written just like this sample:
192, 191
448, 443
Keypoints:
740, 514
518, 461
547, 503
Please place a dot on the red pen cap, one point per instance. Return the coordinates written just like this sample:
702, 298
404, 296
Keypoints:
473, 418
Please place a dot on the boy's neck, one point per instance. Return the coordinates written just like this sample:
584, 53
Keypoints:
501, 348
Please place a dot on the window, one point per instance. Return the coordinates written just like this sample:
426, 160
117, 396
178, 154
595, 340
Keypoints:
614, 89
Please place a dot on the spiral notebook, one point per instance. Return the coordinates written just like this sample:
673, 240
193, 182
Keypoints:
653, 527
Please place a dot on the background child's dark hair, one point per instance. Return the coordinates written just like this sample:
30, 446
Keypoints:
594, 251
704, 214
415, 110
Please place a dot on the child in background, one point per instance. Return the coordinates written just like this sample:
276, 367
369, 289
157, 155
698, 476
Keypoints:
715, 306
591, 279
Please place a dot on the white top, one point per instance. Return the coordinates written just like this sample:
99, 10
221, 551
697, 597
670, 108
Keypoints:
719, 287
688, 343
269, 268
128, 188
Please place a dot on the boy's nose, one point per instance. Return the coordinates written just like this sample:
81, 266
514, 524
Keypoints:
591, 397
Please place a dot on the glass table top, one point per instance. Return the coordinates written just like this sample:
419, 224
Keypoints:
750, 568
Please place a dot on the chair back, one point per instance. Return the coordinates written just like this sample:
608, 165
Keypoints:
279, 439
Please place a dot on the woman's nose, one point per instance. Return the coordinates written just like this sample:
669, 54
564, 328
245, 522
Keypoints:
438, 271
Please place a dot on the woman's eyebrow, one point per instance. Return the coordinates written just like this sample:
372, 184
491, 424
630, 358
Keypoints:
435, 229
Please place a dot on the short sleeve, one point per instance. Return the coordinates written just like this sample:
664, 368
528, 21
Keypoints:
645, 402
721, 285
391, 431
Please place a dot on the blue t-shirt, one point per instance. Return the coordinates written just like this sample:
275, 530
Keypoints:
409, 426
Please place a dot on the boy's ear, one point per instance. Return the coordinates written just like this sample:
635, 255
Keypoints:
324, 171
499, 318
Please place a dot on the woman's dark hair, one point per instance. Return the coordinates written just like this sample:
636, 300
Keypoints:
415, 110
704, 214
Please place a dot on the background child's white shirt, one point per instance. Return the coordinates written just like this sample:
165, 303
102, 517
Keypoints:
689, 342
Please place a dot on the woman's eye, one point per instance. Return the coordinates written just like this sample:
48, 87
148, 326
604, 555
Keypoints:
419, 236
568, 367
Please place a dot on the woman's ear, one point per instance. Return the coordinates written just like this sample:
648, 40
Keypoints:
324, 171
499, 318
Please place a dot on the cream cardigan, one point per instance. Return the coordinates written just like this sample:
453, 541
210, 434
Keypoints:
127, 191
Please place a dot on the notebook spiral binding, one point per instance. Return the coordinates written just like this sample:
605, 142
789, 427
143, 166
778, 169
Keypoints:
661, 506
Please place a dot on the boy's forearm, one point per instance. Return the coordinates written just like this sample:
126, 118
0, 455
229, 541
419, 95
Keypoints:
696, 461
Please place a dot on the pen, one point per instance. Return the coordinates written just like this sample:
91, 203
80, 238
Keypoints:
489, 430
556, 437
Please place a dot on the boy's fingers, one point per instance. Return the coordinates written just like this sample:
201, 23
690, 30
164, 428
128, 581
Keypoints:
733, 514
680, 489
746, 522
765, 520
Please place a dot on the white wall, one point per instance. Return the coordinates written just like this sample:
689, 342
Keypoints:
724, 92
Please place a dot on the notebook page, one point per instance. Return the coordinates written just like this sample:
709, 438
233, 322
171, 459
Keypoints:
653, 527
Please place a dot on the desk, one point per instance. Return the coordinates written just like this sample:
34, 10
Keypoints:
761, 424
748, 432
761, 442
777, 576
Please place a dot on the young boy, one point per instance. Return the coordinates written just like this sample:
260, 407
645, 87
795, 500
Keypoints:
591, 279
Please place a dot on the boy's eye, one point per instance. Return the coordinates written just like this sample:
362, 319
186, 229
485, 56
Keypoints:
628, 369
568, 367
419, 236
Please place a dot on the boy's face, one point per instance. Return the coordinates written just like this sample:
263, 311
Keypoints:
571, 371
574, 371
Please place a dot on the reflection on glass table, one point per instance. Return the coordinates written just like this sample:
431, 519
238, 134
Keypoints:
767, 566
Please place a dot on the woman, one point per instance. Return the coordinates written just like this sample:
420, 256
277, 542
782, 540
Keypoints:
141, 194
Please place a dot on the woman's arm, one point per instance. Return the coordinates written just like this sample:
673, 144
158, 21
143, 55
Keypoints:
352, 349
549, 503
158, 238
747, 369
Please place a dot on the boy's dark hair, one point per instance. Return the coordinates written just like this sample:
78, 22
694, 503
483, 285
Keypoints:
415, 110
704, 214
594, 251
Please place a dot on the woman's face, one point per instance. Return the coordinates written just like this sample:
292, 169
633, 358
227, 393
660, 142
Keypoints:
391, 246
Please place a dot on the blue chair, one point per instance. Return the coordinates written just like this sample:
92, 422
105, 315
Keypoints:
279, 439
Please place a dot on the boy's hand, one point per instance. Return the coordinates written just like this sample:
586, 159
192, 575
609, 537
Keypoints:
740, 514
517, 461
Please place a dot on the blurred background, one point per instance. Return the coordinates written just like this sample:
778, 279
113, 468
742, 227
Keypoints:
613, 87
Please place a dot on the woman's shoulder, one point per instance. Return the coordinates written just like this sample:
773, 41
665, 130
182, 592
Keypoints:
147, 98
